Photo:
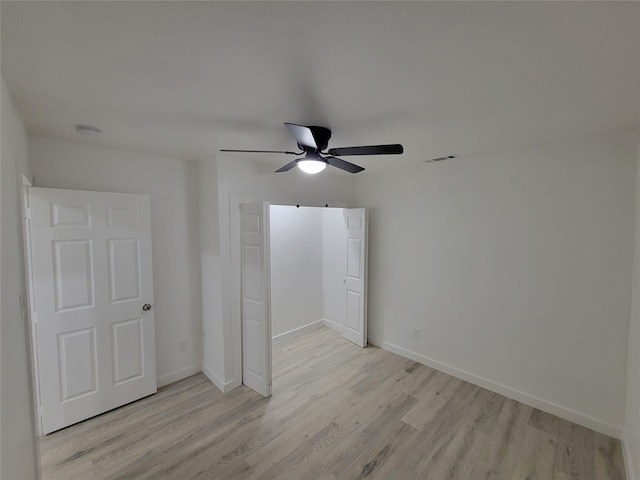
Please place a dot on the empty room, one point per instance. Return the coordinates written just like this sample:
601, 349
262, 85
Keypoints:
320, 240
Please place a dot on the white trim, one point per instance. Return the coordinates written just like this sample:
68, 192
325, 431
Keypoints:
298, 331
31, 312
178, 375
328, 323
627, 455
213, 377
549, 407
231, 385
220, 385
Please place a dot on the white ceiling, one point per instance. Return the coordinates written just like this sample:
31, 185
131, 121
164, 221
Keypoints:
183, 79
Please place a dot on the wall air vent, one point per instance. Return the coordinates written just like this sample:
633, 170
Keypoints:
439, 159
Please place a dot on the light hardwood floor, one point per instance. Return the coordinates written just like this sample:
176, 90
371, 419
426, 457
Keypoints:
337, 412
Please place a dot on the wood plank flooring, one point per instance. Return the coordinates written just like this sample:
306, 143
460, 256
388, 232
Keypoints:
337, 412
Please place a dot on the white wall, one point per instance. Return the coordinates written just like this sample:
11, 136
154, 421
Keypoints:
631, 435
516, 268
172, 186
18, 448
246, 180
334, 261
213, 359
296, 267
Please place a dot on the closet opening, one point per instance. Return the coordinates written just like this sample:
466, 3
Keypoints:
303, 269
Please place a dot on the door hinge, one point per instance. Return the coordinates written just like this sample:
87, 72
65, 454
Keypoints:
34, 318
40, 410
27, 213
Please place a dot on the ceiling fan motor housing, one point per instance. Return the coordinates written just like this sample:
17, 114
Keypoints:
321, 135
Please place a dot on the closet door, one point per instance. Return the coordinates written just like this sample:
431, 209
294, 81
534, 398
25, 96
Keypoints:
355, 328
255, 308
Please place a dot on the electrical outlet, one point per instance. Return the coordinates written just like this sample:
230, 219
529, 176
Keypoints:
182, 346
416, 333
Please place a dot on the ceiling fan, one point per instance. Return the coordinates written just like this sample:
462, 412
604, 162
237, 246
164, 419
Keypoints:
313, 141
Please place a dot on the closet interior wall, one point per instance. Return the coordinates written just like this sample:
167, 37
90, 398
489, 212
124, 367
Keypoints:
307, 248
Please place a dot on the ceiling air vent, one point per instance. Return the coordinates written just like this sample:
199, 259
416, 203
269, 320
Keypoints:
440, 159
88, 130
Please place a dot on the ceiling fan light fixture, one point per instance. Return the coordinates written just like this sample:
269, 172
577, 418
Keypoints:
312, 166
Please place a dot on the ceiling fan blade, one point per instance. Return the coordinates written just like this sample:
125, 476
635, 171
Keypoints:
288, 166
260, 151
343, 165
393, 149
303, 135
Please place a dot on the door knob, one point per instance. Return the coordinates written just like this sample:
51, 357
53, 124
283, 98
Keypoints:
146, 307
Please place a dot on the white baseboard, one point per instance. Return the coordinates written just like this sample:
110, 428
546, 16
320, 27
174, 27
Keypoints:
224, 387
179, 375
213, 377
330, 324
338, 327
298, 331
231, 384
549, 407
627, 455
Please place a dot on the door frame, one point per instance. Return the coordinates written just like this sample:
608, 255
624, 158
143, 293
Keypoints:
28, 303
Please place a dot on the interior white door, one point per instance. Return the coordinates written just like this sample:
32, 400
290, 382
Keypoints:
355, 328
93, 291
256, 309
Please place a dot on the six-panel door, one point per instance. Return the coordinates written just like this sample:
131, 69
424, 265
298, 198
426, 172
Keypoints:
355, 328
256, 308
92, 275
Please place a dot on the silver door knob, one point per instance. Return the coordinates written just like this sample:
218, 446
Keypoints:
146, 307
